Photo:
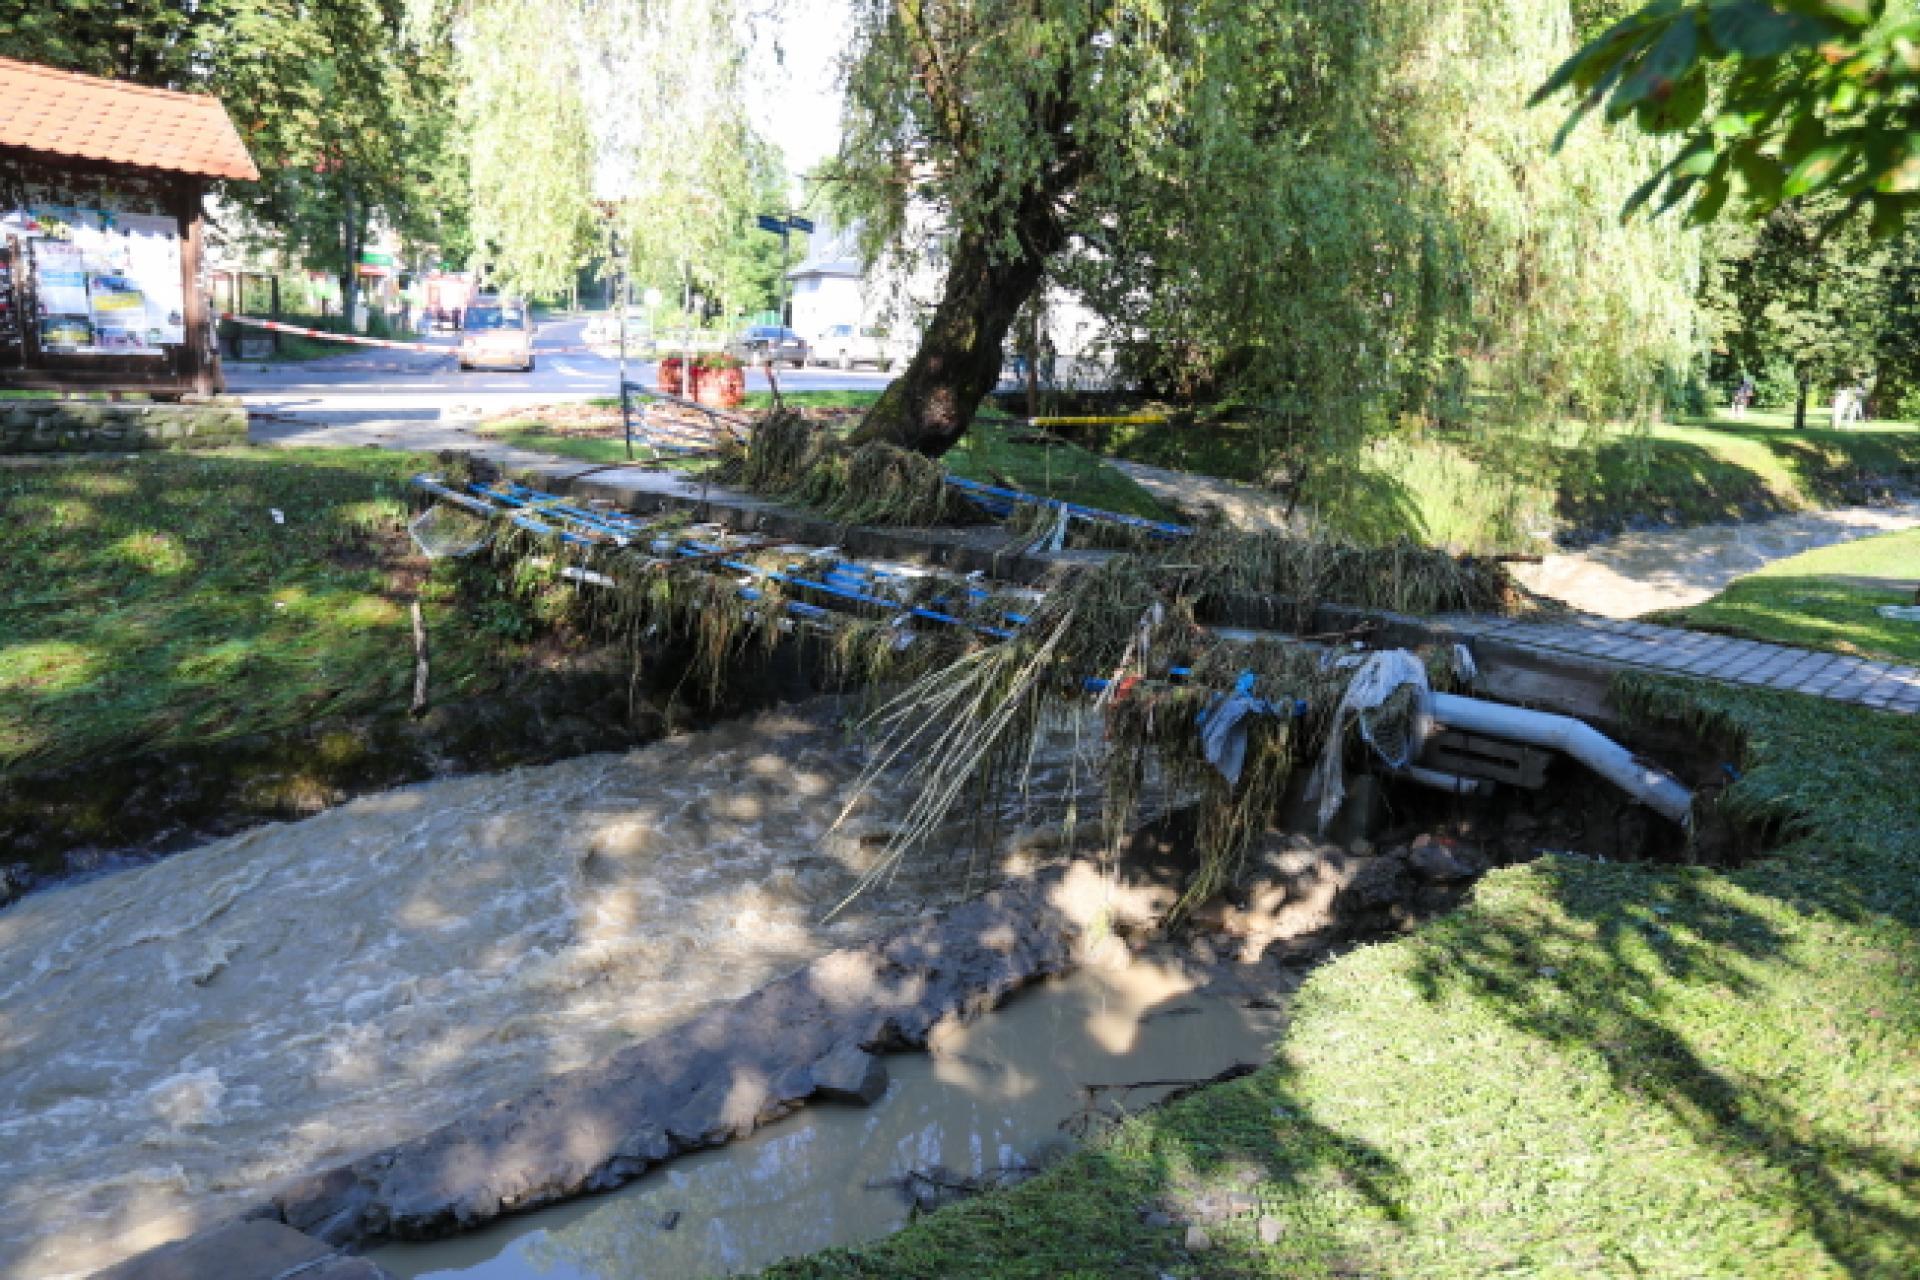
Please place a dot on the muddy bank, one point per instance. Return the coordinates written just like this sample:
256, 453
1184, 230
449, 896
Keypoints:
123, 811
1646, 570
990, 1104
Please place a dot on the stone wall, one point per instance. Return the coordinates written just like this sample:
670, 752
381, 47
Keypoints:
100, 426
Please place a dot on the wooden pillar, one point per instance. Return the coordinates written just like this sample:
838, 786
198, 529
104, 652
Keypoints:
200, 365
273, 313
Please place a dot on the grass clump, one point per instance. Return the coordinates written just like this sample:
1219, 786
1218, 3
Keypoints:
155, 602
1592, 1069
1828, 598
876, 484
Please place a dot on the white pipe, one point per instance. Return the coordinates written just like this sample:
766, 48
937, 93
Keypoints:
1452, 782
1646, 783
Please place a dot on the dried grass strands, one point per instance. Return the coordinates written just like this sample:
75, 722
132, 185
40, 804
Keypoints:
878, 484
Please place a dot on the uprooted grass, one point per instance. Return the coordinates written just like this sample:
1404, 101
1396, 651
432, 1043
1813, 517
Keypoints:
877, 484
970, 695
1592, 1069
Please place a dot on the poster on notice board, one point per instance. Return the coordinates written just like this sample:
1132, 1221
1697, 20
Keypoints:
105, 282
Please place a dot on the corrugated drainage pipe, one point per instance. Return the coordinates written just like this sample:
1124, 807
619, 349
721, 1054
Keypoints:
1649, 784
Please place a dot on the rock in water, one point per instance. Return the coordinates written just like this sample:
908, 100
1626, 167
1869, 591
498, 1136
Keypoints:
849, 1073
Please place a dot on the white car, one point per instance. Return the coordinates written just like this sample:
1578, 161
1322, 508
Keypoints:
846, 345
497, 333
604, 327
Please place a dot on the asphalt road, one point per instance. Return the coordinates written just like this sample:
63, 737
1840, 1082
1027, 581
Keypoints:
416, 398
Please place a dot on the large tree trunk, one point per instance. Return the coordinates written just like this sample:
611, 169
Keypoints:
929, 407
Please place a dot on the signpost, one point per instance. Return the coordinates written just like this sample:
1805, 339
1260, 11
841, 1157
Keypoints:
784, 227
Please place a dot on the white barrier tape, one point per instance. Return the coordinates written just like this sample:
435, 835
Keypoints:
354, 338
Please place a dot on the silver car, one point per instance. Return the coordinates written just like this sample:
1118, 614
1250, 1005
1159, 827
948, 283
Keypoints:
846, 345
497, 333
769, 344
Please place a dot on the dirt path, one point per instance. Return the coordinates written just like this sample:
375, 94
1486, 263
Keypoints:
1243, 506
1636, 573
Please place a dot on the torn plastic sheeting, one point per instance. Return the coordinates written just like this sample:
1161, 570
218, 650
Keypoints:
1223, 726
1378, 677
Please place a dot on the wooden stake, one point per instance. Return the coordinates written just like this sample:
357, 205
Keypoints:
419, 662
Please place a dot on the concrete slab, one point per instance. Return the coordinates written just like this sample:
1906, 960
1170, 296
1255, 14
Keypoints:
257, 1249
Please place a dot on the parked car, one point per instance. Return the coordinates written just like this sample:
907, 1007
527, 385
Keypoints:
604, 327
497, 333
769, 344
846, 345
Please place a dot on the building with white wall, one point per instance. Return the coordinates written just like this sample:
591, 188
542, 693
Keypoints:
835, 285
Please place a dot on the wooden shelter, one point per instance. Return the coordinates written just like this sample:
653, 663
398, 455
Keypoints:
101, 232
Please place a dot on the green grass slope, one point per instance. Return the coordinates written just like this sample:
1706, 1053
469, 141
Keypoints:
153, 601
1828, 598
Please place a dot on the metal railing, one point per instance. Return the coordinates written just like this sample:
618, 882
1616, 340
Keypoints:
663, 438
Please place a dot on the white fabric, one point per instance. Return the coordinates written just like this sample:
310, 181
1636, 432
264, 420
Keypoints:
1378, 676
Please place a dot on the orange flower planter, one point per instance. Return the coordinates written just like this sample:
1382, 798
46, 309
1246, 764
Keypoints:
671, 381
718, 385
720, 388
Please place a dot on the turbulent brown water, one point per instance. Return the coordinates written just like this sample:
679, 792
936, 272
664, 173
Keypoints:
988, 1097
176, 1039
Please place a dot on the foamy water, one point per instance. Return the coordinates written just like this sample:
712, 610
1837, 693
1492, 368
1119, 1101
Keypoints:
177, 1039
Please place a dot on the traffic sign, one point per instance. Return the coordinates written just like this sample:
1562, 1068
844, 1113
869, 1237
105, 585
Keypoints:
800, 224
770, 223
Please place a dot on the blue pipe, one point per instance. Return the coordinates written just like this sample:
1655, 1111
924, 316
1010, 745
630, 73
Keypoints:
1006, 497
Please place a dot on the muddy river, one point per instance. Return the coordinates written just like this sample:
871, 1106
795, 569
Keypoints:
176, 1039
1636, 573
997, 1097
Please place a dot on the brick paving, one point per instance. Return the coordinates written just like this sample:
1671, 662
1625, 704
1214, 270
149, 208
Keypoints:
1883, 686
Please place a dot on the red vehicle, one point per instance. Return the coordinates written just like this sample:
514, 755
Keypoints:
448, 297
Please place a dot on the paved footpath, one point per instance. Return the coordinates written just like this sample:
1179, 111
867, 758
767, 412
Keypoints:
1641, 646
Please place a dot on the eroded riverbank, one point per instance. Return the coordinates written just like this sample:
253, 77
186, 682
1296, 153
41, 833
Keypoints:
176, 1039
1639, 572
988, 1103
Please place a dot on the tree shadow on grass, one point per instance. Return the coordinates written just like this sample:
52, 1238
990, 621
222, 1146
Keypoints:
1757, 1016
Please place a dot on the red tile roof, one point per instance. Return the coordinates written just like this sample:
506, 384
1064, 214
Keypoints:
65, 114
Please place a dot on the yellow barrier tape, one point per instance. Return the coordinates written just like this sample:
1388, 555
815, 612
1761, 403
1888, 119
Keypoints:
1120, 420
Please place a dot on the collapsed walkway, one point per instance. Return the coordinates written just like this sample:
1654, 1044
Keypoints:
1563, 662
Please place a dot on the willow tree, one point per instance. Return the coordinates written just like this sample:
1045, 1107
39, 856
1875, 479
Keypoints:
1341, 209
529, 148
584, 117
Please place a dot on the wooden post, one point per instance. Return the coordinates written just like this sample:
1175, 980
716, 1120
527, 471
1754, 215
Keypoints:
274, 313
199, 366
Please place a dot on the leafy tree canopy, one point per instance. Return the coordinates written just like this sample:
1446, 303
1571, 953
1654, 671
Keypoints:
582, 118
1771, 100
1341, 211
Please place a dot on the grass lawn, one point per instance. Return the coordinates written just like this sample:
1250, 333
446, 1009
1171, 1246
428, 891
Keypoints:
153, 602
1591, 1069
998, 450
1824, 599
